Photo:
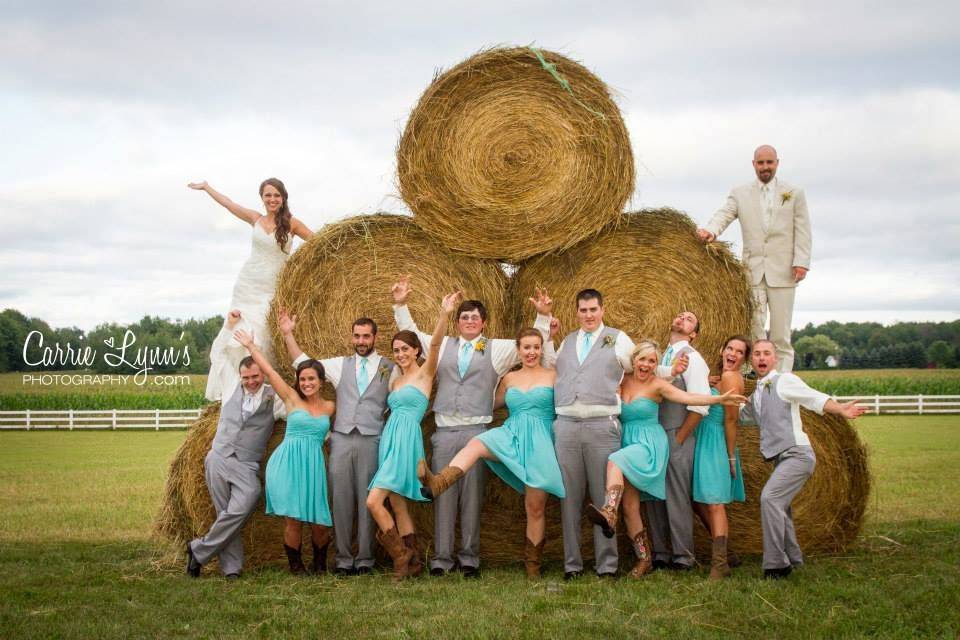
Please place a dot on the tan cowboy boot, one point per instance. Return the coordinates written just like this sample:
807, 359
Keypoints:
532, 556
641, 548
606, 517
719, 569
398, 551
434, 485
416, 564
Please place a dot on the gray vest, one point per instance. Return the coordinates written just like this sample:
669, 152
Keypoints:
472, 395
597, 380
673, 414
365, 413
775, 419
245, 439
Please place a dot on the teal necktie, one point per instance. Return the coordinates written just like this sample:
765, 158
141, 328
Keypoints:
585, 347
667, 357
466, 351
363, 378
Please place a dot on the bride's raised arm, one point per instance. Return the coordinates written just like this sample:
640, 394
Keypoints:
247, 215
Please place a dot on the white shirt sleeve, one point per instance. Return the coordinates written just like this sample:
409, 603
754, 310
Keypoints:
405, 322
332, 367
792, 389
624, 349
697, 380
279, 410
503, 355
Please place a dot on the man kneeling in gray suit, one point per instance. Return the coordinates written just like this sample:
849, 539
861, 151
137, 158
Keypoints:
232, 466
775, 408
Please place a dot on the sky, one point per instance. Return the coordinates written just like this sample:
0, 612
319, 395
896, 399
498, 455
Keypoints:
108, 109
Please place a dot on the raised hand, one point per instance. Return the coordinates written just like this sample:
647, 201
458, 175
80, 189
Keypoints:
401, 289
680, 365
732, 399
542, 301
705, 236
851, 410
233, 318
199, 186
554, 327
244, 338
286, 322
450, 301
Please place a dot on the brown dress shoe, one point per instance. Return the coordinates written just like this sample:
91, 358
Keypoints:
532, 558
401, 555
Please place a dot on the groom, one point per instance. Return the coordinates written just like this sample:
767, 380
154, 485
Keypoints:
232, 465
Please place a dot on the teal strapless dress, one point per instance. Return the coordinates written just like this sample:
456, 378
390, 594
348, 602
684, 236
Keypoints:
401, 444
712, 483
645, 450
524, 443
296, 477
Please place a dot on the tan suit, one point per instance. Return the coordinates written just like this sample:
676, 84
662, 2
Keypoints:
771, 248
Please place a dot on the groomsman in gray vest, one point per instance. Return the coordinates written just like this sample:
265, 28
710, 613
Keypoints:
775, 408
671, 521
469, 369
362, 382
231, 467
590, 365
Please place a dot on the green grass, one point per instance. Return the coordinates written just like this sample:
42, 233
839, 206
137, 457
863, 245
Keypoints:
886, 382
76, 560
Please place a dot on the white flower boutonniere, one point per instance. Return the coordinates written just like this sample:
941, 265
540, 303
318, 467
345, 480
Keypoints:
608, 341
481, 346
384, 371
766, 384
786, 197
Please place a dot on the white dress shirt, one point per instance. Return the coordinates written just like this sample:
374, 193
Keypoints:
768, 191
622, 348
503, 356
696, 378
250, 402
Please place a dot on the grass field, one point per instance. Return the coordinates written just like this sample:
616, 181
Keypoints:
76, 560
890, 382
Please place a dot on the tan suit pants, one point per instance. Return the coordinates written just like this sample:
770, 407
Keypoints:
779, 300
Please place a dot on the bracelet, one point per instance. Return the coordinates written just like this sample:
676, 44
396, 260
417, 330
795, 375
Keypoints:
732, 459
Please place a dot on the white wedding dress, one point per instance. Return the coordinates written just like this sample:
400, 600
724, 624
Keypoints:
252, 295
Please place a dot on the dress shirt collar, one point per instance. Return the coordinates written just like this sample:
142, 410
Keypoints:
772, 184
766, 380
581, 333
473, 343
257, 396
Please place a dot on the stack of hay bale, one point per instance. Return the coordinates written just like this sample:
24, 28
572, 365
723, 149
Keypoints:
517, 161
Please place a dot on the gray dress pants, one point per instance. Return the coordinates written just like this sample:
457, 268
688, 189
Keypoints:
465, 497
353, 462
671, 521
791, 470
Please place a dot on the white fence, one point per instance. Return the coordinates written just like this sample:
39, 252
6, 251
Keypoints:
71, 419
920, 404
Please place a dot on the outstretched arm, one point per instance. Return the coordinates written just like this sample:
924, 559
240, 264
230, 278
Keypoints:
285, 391
720, 220
447, 306
300, 230
673, 394
401, 290
247, 215
850, 410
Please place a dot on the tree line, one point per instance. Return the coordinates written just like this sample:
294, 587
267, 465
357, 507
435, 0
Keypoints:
852, 345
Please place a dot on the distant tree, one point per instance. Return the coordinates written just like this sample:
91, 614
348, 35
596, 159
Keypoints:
942, 355
812, 351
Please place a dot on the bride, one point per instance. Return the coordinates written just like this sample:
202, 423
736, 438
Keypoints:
272, 241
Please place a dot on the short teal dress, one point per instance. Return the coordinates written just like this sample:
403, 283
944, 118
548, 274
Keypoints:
296, 477
712, 483
401, 444
645, 450
524, 443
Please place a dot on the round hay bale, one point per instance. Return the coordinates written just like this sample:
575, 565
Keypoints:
346, 270
515, 152
649, 266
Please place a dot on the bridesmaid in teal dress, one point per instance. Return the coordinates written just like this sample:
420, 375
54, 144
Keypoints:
643, 459
401, 443
296, 474
521, 451
717, 477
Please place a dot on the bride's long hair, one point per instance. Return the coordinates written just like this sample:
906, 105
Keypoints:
282, 233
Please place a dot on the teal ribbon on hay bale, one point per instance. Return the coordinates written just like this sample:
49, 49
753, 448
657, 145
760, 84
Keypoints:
552, 70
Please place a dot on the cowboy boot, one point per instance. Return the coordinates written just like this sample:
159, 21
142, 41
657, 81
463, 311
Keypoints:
434, 485
719, 568
416, 564
606, 517
320, 552
532, 556
295, 560
401, 555
641, 548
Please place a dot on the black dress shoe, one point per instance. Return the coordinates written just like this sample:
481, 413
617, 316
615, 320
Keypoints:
660, 564
362, 571
343, 572
679, 566
193, 565
437, 572
572, 575
232, 576
470, 572
777, 574
610, 575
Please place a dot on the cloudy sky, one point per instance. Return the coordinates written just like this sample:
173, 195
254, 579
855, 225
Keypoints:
108, 109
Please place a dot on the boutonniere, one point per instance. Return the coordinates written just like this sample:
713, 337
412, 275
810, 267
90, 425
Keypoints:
384, 371
785, 197
480, 346
766, 384
608, 341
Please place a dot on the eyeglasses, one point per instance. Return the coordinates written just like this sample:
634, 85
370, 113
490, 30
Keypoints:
476, 317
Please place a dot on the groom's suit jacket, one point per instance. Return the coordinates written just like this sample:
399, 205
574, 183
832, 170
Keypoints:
769, 251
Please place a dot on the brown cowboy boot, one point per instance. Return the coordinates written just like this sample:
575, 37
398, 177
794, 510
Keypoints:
295, 560
416, 564
732, 558
606, 517
532, 556
434, 485
398, 551
719, 568
320, 552
641, 548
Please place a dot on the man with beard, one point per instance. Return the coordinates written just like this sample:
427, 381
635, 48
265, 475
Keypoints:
362, 384
776, 246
